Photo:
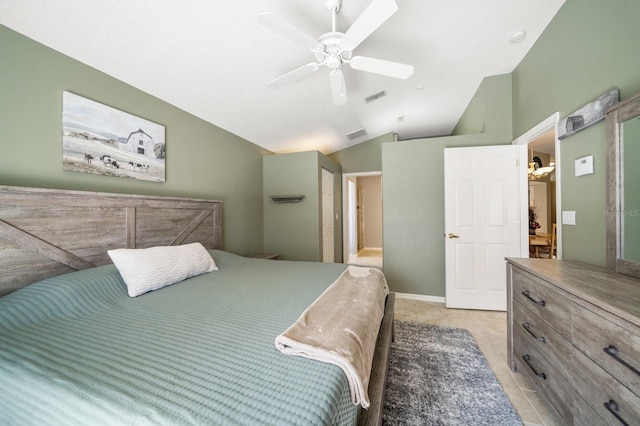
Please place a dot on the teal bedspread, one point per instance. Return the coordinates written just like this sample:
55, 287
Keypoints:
76, 350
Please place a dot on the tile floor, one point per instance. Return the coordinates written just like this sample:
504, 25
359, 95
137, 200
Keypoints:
489, 328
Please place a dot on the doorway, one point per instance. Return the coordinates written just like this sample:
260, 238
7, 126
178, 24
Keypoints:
362, 213
540, 194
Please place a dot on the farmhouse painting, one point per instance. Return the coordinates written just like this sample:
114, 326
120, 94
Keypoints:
102, 140
587, 115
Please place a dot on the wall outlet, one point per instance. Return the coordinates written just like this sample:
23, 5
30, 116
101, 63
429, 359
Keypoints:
569, 218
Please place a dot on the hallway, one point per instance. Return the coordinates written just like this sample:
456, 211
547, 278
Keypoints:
367, 257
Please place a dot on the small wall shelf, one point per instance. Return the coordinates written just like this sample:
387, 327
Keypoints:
286, 198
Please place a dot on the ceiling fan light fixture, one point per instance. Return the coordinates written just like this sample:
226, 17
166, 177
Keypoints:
338, 91
333, 62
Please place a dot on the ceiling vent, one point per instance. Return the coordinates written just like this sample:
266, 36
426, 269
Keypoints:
375, 96
357, 134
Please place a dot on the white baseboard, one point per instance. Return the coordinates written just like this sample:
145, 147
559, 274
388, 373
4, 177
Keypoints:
421, 297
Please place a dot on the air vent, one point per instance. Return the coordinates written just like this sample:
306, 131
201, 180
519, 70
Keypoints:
357, 134
375, 96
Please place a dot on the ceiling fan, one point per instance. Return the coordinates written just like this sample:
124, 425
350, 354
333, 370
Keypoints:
334, 49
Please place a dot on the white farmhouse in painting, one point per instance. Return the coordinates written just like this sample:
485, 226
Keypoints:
139, 142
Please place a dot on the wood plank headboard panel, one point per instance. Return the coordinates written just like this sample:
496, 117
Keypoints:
49, 232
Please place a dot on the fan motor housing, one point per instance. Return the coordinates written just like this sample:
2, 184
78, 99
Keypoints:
333, 53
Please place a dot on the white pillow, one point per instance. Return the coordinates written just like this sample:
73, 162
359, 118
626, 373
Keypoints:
152, 268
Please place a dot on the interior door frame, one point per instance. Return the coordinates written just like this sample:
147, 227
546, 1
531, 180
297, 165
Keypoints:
529, 136
345, 209
327, 211
360, 215
350, 218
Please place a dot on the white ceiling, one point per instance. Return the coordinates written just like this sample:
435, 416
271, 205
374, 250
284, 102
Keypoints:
212, 59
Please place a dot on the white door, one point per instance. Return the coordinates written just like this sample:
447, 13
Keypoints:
327, 217
481, 224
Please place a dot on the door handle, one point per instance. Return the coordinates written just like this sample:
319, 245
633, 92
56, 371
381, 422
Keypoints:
450, 235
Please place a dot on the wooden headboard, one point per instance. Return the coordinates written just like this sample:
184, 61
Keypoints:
48, 232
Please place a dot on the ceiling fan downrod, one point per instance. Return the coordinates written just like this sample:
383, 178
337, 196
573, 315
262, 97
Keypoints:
334, 7
332, 55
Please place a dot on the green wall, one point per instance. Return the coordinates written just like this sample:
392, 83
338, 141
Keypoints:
363, 157
203, 161
294, 230
413, 191
588, 48
490, 110
473, 119
413, 187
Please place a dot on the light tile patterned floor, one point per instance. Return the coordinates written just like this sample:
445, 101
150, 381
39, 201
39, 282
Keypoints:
489, 328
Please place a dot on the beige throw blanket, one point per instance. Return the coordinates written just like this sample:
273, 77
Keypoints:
341, 327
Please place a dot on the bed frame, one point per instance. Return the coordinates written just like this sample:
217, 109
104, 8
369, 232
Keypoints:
378, 379
50, 232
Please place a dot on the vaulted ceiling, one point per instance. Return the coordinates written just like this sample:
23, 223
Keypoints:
213, 60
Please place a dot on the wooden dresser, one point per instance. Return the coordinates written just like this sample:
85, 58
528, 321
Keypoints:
574, 329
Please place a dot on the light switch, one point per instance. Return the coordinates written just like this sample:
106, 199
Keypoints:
584, 165
569, 218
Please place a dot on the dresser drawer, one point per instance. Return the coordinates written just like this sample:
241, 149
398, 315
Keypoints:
547, 379
547, 302
555, 348
583, 413
598, 388
614, 347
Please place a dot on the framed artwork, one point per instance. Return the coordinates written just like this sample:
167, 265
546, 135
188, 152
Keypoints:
587, 115
102, 140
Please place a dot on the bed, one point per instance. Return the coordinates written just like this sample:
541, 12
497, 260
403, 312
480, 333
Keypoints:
75, 348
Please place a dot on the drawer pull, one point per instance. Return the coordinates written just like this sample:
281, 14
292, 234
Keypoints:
613, 408
526, 359
527, 327
614, 353
537, 302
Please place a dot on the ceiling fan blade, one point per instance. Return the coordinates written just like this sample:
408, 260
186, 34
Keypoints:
287, 30
338, 89
293, 75
380, 66
373, 16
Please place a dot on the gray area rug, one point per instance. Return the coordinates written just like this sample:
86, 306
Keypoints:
439, 376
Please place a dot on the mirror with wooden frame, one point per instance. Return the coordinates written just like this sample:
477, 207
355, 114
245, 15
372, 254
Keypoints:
623, 187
